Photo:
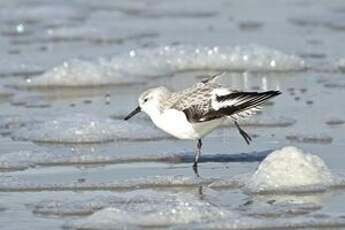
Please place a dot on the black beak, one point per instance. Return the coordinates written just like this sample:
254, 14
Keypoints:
137, 110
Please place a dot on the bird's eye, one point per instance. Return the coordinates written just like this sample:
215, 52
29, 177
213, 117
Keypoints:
145, 100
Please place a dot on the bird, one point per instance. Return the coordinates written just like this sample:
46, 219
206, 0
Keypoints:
196, 111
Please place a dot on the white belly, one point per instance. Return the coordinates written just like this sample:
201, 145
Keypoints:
176, 124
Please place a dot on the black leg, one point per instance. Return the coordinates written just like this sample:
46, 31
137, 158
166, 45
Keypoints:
195, 170
245, 135
196, 159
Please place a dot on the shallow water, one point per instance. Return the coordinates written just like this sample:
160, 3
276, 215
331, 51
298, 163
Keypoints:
71, 71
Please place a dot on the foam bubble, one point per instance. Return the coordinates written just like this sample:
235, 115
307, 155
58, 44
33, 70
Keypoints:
137, 65
82, 128
290, 169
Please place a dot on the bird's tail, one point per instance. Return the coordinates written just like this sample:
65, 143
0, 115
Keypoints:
243, 103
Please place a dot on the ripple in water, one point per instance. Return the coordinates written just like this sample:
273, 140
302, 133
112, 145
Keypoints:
311, 139
22, 160
276, 174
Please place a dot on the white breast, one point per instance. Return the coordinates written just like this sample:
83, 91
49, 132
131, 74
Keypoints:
176, 124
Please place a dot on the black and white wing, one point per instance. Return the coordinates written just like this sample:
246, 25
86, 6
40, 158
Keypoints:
211, 101
240, 104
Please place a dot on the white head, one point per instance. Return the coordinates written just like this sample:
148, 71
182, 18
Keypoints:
150, 101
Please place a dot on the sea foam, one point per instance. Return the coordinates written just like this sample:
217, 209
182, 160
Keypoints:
290, 170
161, 211
136, 66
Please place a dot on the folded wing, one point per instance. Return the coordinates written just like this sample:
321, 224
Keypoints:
222, 102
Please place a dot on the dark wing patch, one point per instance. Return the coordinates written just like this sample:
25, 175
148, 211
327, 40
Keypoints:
238, 103
244, 100
195, 114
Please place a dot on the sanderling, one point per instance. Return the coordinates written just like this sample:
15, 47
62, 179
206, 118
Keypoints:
196, 111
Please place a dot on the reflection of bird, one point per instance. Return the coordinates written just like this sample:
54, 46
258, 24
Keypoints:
194, 112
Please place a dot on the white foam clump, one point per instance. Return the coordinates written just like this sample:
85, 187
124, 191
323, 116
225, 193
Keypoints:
78, 72
137, 65
290, 170
250, 57
161, 211
82, 128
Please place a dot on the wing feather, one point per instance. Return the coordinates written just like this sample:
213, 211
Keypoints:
207, 100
